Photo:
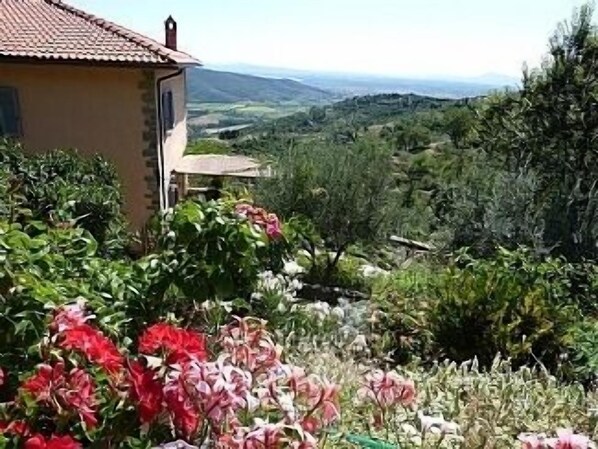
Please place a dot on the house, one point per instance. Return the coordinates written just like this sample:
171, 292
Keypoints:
69, 79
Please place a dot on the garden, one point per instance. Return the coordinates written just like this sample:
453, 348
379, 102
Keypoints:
205, 337
283, 317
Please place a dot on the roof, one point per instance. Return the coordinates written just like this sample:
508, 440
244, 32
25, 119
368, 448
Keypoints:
222, 165
51, 30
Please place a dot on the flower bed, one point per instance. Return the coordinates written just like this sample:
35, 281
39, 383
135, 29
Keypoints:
230, 391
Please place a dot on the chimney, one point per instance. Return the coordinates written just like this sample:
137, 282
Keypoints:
171, 34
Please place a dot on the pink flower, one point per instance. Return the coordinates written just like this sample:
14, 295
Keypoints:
569, 440
262, 219
2, 376
183, 412
250, 346
217, 391
532, 441
566, 440
70, 316
264, 436
387, 389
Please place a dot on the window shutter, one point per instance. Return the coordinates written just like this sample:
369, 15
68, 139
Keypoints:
10, 119
168, 110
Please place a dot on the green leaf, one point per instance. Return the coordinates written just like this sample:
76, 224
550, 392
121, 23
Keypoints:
369, 443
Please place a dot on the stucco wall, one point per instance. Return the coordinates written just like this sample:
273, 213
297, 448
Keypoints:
92, 109
175, 140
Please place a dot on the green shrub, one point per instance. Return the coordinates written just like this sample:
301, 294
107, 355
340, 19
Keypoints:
509, 305
207, 146
403, 298
206, 251
62, 188
347, 273
512, 304
583, 353
54, 267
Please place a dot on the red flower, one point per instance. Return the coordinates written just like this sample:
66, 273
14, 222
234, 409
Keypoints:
65, 442
16, 428
41, 384
79, 396
184, 413
36, 442
74, 391
95, 346
55, 442
146, 390
180, 345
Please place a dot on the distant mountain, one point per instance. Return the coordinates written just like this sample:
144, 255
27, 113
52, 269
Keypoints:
349, 84
213, 86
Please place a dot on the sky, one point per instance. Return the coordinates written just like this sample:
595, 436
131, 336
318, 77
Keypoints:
417, 38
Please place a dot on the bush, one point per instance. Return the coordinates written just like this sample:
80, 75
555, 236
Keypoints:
403, 307
582, 355
512, 304
212, 251
62, 188
347, 273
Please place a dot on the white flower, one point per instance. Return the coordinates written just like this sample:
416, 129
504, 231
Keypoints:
281, 307
285, 401
370, 271
409, 429
338, 312
359, 344
292, 268
437, 424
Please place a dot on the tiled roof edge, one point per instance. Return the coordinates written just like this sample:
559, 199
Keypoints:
169, 56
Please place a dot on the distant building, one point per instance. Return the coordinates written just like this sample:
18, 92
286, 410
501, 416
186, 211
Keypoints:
72, 80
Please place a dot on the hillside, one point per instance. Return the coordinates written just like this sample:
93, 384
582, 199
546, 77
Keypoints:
361, 111
211, 86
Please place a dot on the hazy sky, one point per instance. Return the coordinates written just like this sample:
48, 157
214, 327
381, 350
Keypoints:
395, 37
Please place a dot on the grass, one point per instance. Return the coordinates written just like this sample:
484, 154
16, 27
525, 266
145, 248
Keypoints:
207, 146
218, 115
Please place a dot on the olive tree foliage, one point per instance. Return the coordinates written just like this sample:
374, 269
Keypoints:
458, 124
407, 135
550, 128
344, 191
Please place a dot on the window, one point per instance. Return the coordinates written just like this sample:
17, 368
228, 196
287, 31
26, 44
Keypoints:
10, 118
167, 110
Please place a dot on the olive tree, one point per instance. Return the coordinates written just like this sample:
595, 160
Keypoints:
344, 191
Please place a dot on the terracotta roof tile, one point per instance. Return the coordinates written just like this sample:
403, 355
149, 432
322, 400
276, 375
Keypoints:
53, 30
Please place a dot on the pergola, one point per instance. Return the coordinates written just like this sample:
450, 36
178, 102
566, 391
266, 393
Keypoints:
216, 166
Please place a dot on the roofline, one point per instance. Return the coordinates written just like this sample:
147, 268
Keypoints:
160, 50
95, 62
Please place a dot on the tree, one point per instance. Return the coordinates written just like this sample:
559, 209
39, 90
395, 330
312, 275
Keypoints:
344, 190
550, 128
407, 135
458, 124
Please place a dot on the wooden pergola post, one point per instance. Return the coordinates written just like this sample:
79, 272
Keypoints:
182, 184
